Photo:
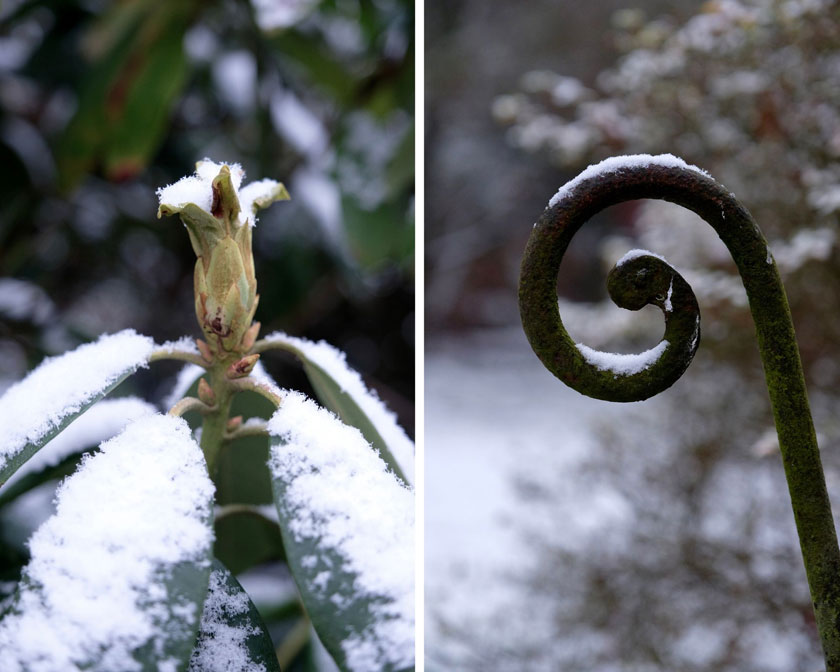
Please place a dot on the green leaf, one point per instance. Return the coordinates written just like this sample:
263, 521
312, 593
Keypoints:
121, 570
125, 101
347, 526
340, 389
246, 538
380, 237
230, 627
58, 391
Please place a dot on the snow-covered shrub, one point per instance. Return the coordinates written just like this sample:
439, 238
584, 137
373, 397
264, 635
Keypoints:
123, 576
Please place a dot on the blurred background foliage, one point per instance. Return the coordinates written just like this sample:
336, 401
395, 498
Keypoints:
699, 568
103, 102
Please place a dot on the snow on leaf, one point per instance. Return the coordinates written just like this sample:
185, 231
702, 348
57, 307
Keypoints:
342, 390
183, 382
100, 422
348, 531
35, 409
232, 635
198, 190
118, 574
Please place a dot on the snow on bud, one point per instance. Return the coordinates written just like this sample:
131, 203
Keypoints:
219, 218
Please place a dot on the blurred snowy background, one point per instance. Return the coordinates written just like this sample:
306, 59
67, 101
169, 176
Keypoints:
566, 533
102, 102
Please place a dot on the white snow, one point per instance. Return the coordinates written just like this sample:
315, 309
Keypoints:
616, 164
479, 556
621, 364
190, 189
635, 254
198, 189
221, 645
183, 344
277, 14
93, 592
21, 300
61, 386
341, 493
100, 422
186, 377
334, 362
235, 79
298, 125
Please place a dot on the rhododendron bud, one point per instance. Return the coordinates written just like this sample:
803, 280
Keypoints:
219, 217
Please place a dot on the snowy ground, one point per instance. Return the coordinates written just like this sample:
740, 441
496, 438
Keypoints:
492, 413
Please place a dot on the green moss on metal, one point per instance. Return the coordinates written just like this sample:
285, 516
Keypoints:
646, 280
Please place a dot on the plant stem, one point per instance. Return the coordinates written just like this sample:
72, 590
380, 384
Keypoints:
215, 423
774, 329
188, 404
294, 642
161, 354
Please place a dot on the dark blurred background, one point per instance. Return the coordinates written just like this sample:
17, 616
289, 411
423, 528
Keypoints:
101, 103
692, 563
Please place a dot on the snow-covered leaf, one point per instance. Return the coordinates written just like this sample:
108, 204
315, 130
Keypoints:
192, 196
342, 390
186, 378
119, 573
101, 421
61, 388
232, 636
348, 530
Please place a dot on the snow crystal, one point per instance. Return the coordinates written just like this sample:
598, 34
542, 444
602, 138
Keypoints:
183, 344
92, 593
625, 365
262, 190
616, 164
334, 362
341, 493
668, 306
208, 171
198, 189
61, 386
190, 189
100, 422
222, 646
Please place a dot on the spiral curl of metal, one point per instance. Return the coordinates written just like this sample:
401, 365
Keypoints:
647, 279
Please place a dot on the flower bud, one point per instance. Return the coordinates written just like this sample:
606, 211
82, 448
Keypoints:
242, 367
250, 337
219, 218
205, 393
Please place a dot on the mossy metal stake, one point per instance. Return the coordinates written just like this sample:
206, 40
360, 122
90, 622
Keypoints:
646, 279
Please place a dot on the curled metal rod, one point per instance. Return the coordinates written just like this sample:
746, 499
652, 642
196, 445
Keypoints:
643, 279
